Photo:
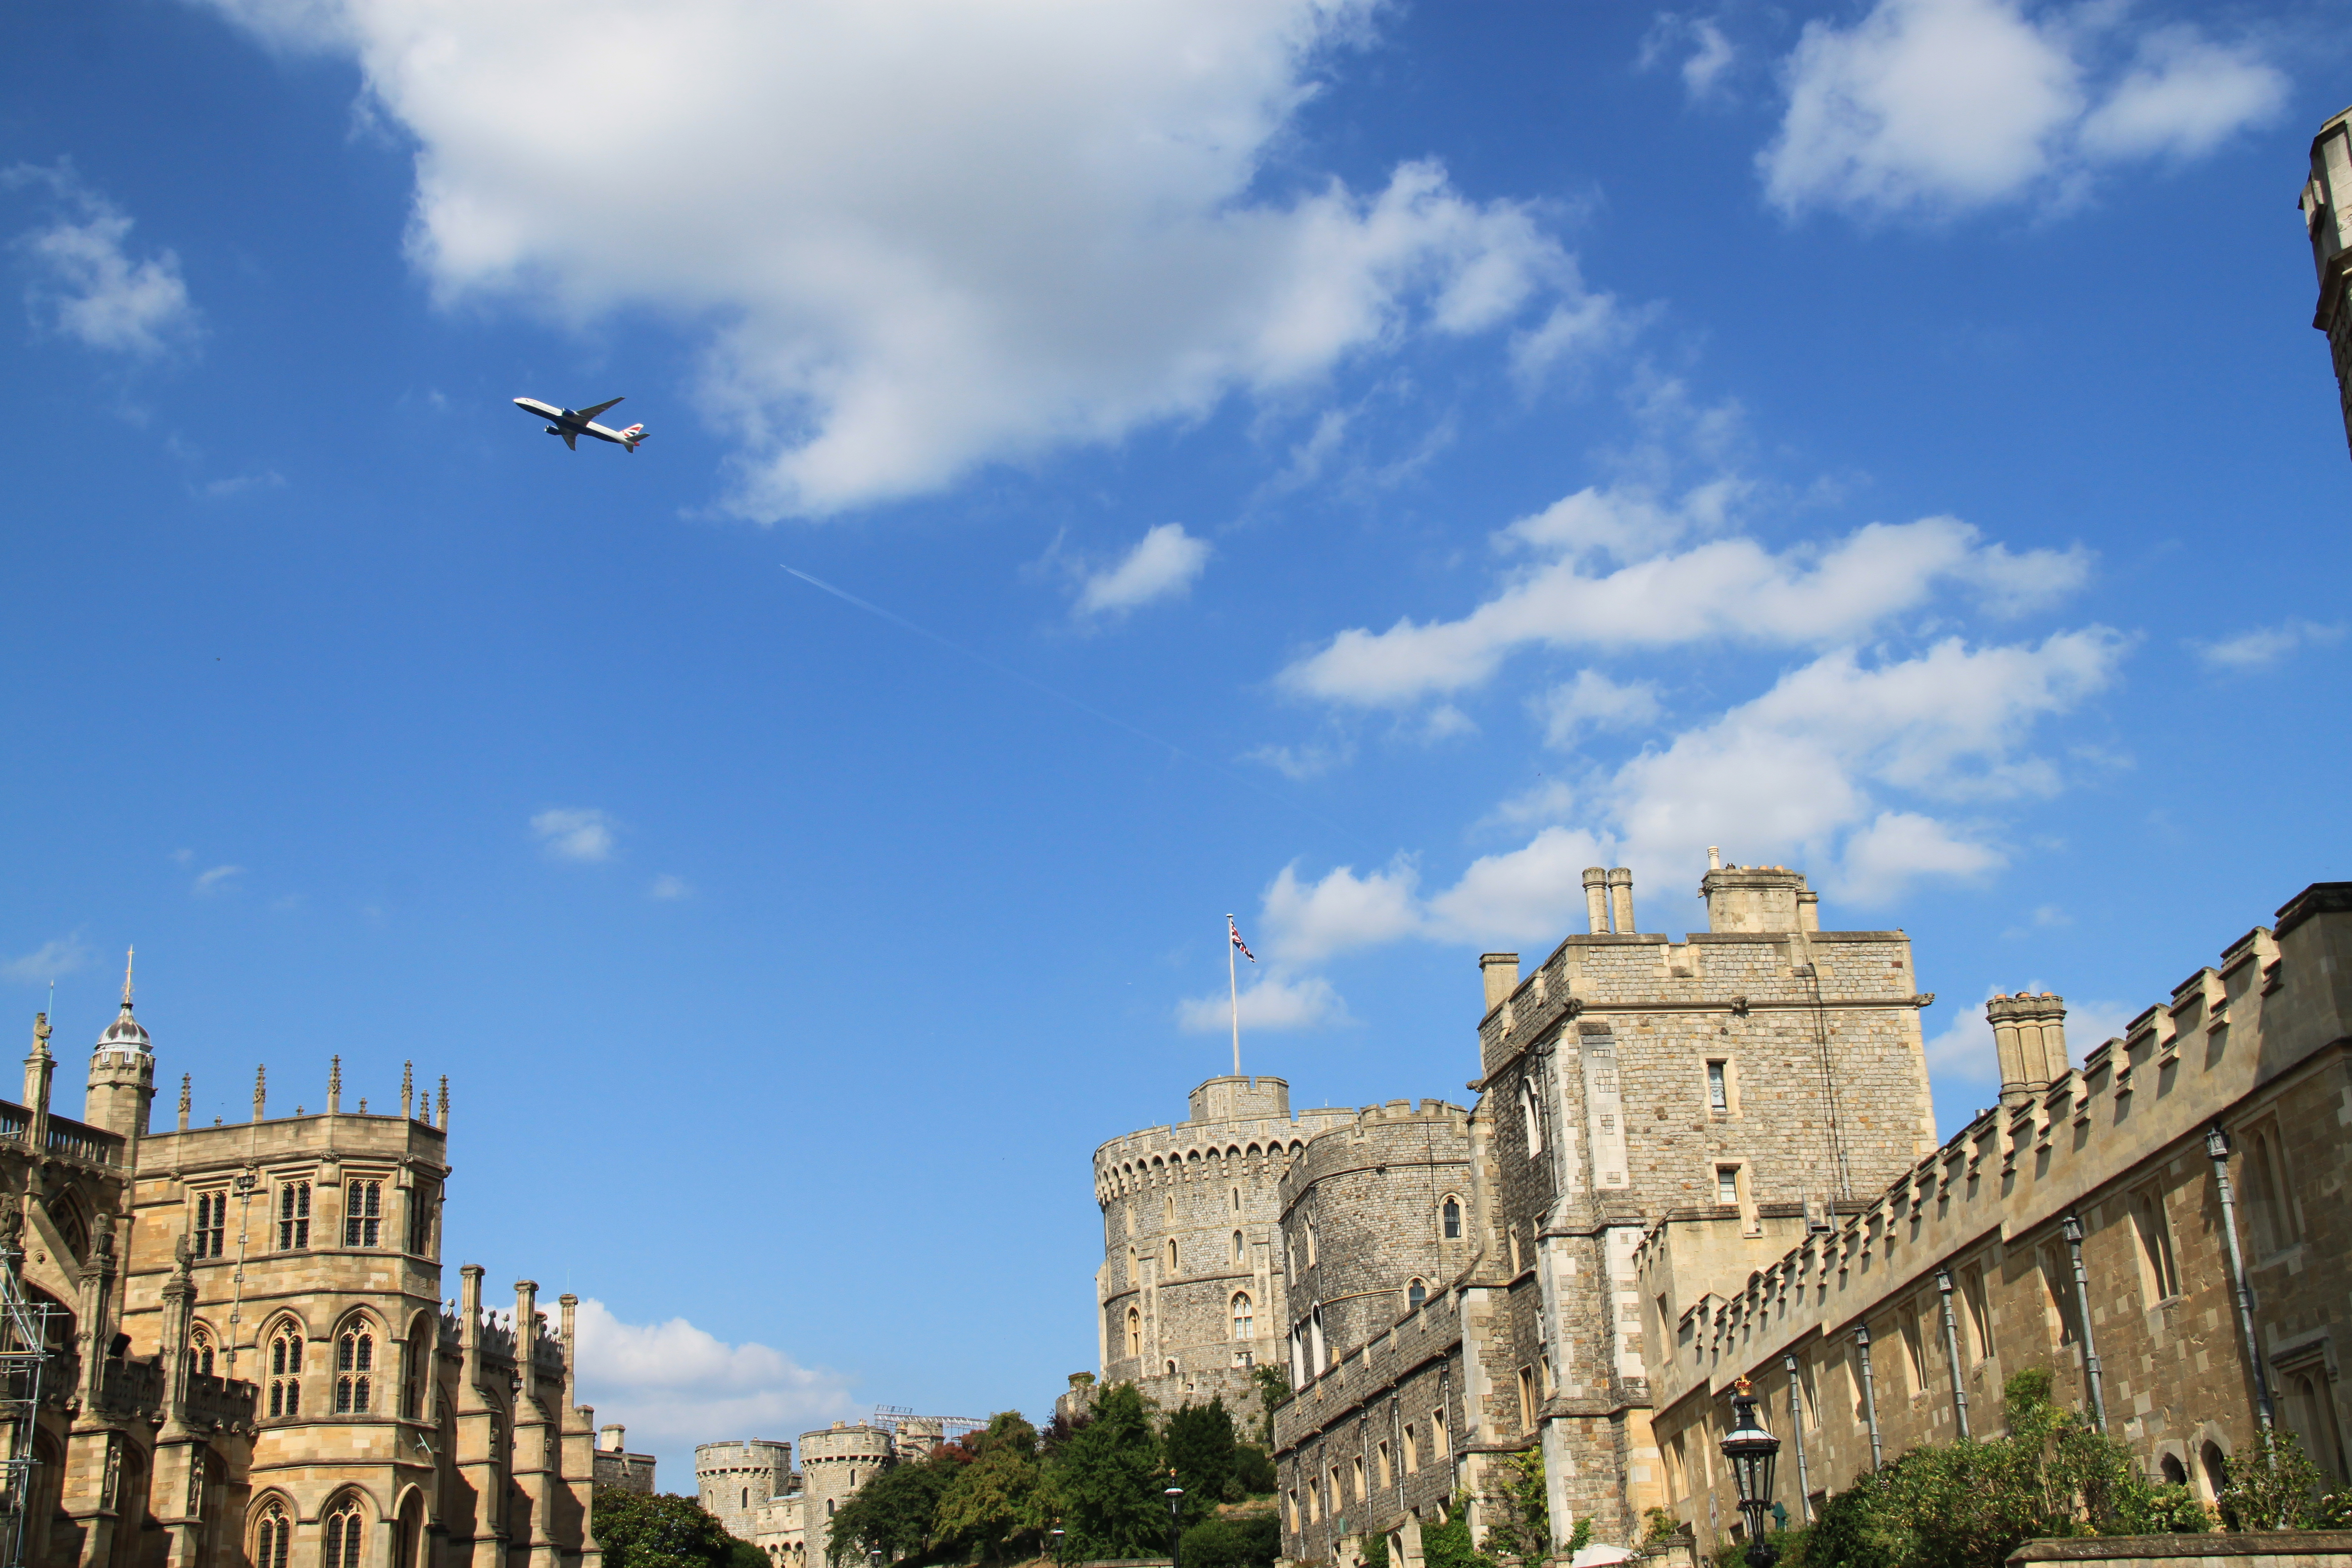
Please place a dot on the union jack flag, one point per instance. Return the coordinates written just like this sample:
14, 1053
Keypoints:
1235, 932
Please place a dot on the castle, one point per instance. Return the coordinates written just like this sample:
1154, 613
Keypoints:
1693, 1162
250, 1360
752, 1488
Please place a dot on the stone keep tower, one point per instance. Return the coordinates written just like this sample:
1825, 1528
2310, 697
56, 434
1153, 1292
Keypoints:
2327, 216
834, 1464
1190, 1293
731, 1480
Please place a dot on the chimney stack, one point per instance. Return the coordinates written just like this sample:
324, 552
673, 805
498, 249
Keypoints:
1501, 972
1596, 898
1621, 899
2029, 1036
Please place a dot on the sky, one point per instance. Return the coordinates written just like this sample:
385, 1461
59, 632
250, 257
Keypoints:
1350, 465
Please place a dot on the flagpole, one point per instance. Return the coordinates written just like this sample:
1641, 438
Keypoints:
1233, 981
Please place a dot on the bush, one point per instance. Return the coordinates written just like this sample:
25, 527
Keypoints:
665, 1532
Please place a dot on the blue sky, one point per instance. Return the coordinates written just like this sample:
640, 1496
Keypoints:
1348, 465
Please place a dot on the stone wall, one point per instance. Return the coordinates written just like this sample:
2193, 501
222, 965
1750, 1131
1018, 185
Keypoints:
1172, 1198
2259, 1046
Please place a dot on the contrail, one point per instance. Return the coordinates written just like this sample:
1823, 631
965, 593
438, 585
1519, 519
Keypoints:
1087, 708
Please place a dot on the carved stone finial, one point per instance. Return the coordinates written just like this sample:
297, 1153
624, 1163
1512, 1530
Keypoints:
128, 955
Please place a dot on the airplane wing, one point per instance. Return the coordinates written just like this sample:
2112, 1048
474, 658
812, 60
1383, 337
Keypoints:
571, 439
592, 413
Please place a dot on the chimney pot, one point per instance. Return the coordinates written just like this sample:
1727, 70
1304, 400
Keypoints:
1501, 972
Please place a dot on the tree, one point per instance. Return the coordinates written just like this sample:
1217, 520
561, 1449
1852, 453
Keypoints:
664, 1531
1198, 1446
1446, 1544
894, 1512
994, 1507
2270, 1486
1519, 1513
1273, 1383
1104, 1481
1255, 1470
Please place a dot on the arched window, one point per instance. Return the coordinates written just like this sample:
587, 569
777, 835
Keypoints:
747, 1498
354, 1369
1531, 1111
419, 1366
1310, 1244
286, 1370
1134, 1334
200, 1351
1172, 1255
1453, 1219
2176, 1474
272, 1537
1237, 1200
1415, 1294
1241, 1315
1240, 1253
345, 1527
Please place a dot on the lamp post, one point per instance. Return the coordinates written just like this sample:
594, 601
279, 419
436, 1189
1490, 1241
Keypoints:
1750, 1450
1054, 1542
1175, 1495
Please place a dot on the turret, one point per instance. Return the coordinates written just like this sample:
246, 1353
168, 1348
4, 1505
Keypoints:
2029, 1034
1758, 899
122, 1073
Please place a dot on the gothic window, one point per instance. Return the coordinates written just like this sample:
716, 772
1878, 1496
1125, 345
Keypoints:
1134, 1334
212, 1224
344, 1528
1172, 1255
420, 1220
421, 1345
1718, 1086
200, 1351
1240, 1253
1171, 1205
354, 1370
1453, 1219
293, 1216
1415, 1293
1237, 1200
286, 1371
1531, 1112
1242, 1315
272, 1537
362, 1213
2148, 1218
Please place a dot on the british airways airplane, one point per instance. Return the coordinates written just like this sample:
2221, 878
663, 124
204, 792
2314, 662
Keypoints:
574, 423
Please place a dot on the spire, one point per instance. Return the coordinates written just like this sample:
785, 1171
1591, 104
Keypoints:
128, 955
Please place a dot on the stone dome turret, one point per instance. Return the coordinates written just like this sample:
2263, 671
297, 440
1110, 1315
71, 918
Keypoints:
125, 1033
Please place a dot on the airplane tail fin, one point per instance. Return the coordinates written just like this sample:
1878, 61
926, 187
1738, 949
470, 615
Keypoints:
631, 436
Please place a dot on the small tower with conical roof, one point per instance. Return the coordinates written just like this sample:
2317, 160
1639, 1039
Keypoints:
122, 1073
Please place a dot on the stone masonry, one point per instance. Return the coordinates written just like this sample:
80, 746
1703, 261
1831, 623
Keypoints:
1190, 1296
2327, 206
1898, 1324
1630, 1086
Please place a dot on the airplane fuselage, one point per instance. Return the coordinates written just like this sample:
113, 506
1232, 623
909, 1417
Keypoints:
572, 423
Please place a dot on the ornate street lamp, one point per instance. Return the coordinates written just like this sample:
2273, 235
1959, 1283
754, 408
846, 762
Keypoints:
1750, 1450
1175, 1495
1054, 1538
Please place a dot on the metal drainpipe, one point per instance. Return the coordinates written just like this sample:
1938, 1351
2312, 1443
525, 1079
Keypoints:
1952, 1350
1797, 1436
1869, 1393
2217, 1149
2072, 1229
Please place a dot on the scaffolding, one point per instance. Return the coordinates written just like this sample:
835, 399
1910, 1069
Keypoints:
24, 1352
891, 1418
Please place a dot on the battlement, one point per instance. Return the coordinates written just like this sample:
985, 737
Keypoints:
1241, 1099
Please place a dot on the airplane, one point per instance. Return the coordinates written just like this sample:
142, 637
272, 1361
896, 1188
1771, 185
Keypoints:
571, 423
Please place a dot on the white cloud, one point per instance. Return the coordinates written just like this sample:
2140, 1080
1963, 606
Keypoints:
2265, 646
1709, 54
1164, 563
674, 1384
211, 880
1274, 1004
1937, 106
61, 955
1535, 892
668, 887
928, 235
1594, 700
1732, 589
1304, 921
1310, 760
86, 285
574, 833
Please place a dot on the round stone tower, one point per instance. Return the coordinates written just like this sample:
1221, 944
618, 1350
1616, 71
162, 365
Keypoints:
732, 1480
834, 1464
1191, 1289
